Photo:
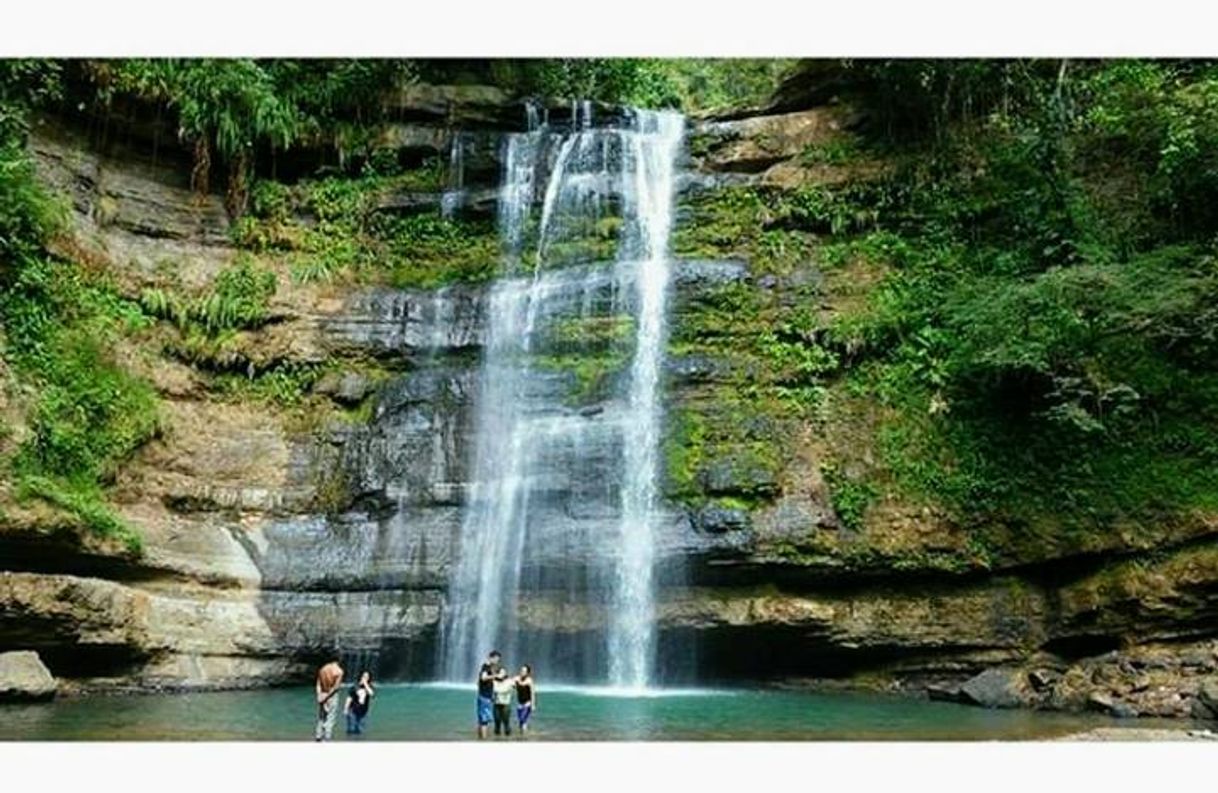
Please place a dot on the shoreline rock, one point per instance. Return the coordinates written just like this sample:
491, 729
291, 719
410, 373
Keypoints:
1139, 734
997, 688
24, 678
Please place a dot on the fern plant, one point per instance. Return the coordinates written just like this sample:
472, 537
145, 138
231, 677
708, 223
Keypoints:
237, 300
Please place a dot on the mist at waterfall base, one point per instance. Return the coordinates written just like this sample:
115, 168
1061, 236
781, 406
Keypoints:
560, 535
439, 712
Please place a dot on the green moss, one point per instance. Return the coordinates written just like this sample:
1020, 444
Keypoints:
771, 370
719, 223
85, 502
747, 223
361, 414
837, 151
592, 350
851, 497
592, 373
290, 389
427, 251
724, 444
685, 448
858, 556
332, 228
733, 502
332, 487
582, 250
285, 385
590, 333
427, 177
805, 554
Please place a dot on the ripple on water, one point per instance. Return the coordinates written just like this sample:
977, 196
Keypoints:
579, 690
445, 711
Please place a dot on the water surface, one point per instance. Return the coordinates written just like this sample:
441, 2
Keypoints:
404, 712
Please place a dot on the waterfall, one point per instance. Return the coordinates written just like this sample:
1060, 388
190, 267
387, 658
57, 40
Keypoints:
560, 517
454, 194
652, 158
516, 193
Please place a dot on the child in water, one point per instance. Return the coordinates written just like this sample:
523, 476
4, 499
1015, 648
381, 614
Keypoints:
359, 700
503, 701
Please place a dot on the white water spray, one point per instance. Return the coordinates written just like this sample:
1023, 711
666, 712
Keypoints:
652, 161
546, 475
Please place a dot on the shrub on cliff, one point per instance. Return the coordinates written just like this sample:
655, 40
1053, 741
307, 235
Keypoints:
1046, 324
58, 322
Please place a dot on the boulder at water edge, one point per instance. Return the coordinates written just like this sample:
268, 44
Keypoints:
1205, 706
997, 688
24, 677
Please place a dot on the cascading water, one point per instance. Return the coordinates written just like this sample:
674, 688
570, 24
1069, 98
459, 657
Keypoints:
560, 520
516, 194
454, 194
651, 159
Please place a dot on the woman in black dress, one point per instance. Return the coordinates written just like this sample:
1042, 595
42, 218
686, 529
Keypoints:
526, 697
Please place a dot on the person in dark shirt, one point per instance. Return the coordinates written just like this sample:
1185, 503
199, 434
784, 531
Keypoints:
359, 700
526, 697
486, 691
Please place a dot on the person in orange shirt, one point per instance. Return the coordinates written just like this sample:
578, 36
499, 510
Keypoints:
329, 681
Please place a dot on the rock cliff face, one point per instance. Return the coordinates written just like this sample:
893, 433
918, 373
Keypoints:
268, 546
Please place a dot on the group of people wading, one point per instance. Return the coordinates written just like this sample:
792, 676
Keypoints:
496, 691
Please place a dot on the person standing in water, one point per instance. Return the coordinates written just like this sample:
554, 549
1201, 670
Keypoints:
486, 691
329, 681
504, 686
526, 697
359, 700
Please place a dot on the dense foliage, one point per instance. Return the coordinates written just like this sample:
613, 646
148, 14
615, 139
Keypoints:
689, 84
232, 106
59, 323
1045, 330
227, 109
